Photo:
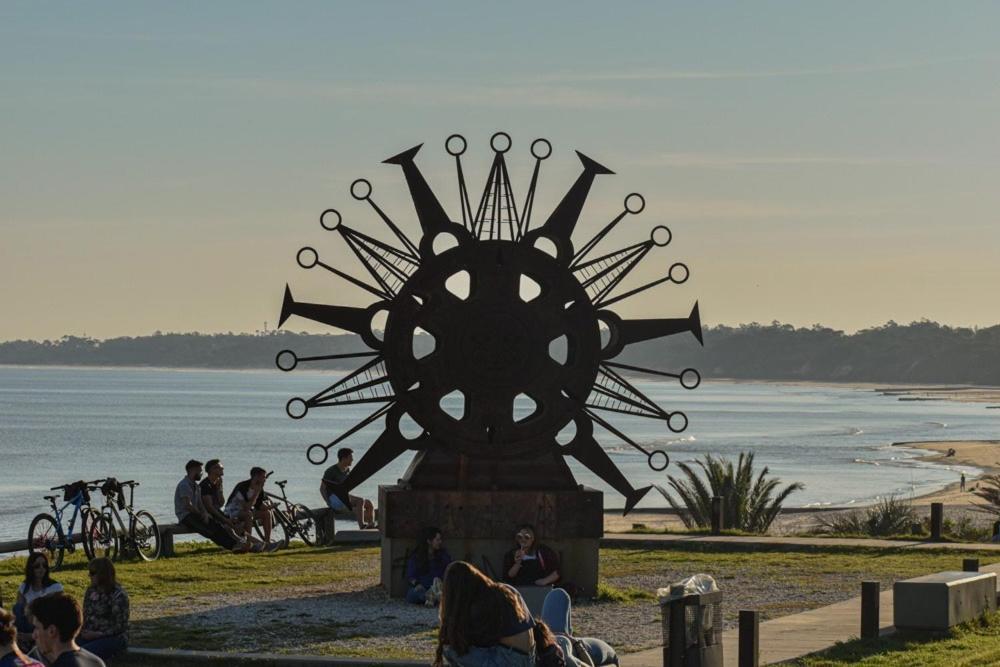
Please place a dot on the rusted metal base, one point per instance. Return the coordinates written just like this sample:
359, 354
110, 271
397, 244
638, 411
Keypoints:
479, 525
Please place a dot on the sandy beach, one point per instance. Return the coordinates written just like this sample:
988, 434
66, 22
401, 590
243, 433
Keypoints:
982, 454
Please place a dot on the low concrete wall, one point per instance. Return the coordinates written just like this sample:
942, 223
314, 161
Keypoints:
944, 599
267, 659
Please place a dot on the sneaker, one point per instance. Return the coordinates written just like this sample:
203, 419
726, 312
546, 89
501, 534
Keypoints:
272, 547
257, 547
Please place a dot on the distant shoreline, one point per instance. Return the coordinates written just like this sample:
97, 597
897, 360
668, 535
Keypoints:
903, 390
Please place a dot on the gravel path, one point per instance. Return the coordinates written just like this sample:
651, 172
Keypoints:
358, 618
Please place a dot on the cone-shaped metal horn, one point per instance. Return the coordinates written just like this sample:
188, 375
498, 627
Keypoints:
563, 219
587, 451
432, 216
356, 320
635, 331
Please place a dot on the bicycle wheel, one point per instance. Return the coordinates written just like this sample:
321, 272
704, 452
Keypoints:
145, 535
101, 539
45, 536
87, 516
279, 532
304, 526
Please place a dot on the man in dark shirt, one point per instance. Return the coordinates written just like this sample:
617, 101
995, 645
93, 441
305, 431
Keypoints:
335, 498
57, 620
212, 498
246, 503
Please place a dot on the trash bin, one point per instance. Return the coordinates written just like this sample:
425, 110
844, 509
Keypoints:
691, 612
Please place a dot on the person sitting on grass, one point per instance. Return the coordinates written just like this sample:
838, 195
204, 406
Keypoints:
105, 612
337, 500
37, 583
57, 619
486, 624
245, 504
10, 654
425, 568
191, 512
530, 563
579, 651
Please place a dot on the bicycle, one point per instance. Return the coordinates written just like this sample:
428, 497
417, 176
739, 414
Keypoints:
292, 519
111, 538
46, 533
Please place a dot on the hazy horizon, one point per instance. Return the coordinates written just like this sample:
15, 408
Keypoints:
161, 164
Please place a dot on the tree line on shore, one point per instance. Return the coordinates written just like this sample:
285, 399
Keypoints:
920, 352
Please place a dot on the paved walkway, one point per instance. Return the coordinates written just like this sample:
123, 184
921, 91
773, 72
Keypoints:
750, 541
797, 634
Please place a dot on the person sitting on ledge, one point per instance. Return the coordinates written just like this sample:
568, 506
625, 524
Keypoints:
487, 624
191, 513
530, 563
333, 477
105, 612
425, 568
57, 620
10, 654
212, 497
246, 503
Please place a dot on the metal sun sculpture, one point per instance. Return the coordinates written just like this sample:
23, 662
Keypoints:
513, 313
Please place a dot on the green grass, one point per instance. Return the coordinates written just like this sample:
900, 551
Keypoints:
201, 569
970, 645
608, 593
800, 562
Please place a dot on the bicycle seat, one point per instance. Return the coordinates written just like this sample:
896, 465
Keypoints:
282, 483
51, 498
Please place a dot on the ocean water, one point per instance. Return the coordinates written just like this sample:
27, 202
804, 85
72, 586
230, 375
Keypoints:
62, 424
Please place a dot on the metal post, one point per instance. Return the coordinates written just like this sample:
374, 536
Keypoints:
749, 639
673, 655
869, 609
937, 519
718, 505
970, 565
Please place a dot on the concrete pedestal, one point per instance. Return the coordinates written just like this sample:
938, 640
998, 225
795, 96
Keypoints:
939, 601
479, 525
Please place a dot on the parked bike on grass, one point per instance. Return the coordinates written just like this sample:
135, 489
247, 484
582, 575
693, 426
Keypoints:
46, 532
112, 537
290, 520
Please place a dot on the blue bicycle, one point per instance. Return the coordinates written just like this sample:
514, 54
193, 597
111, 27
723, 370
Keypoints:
46, 533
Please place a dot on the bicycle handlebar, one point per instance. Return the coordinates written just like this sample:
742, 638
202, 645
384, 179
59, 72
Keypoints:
64, 486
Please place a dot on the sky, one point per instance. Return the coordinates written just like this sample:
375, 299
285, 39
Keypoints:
833, 163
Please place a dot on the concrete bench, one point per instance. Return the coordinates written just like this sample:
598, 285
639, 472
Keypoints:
326, 531
939, 601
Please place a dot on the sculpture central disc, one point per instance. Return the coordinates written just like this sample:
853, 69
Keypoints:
495, 348
493, 386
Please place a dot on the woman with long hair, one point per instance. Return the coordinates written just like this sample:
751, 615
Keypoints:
425, 567
530, 563
487, 623
105, 612
38, 583
10, 654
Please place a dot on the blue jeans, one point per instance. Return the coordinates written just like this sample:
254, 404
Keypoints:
105, 647
416, 594
556, 612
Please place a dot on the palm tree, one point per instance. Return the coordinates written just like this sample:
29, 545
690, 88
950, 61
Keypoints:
989, 490
748, 505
